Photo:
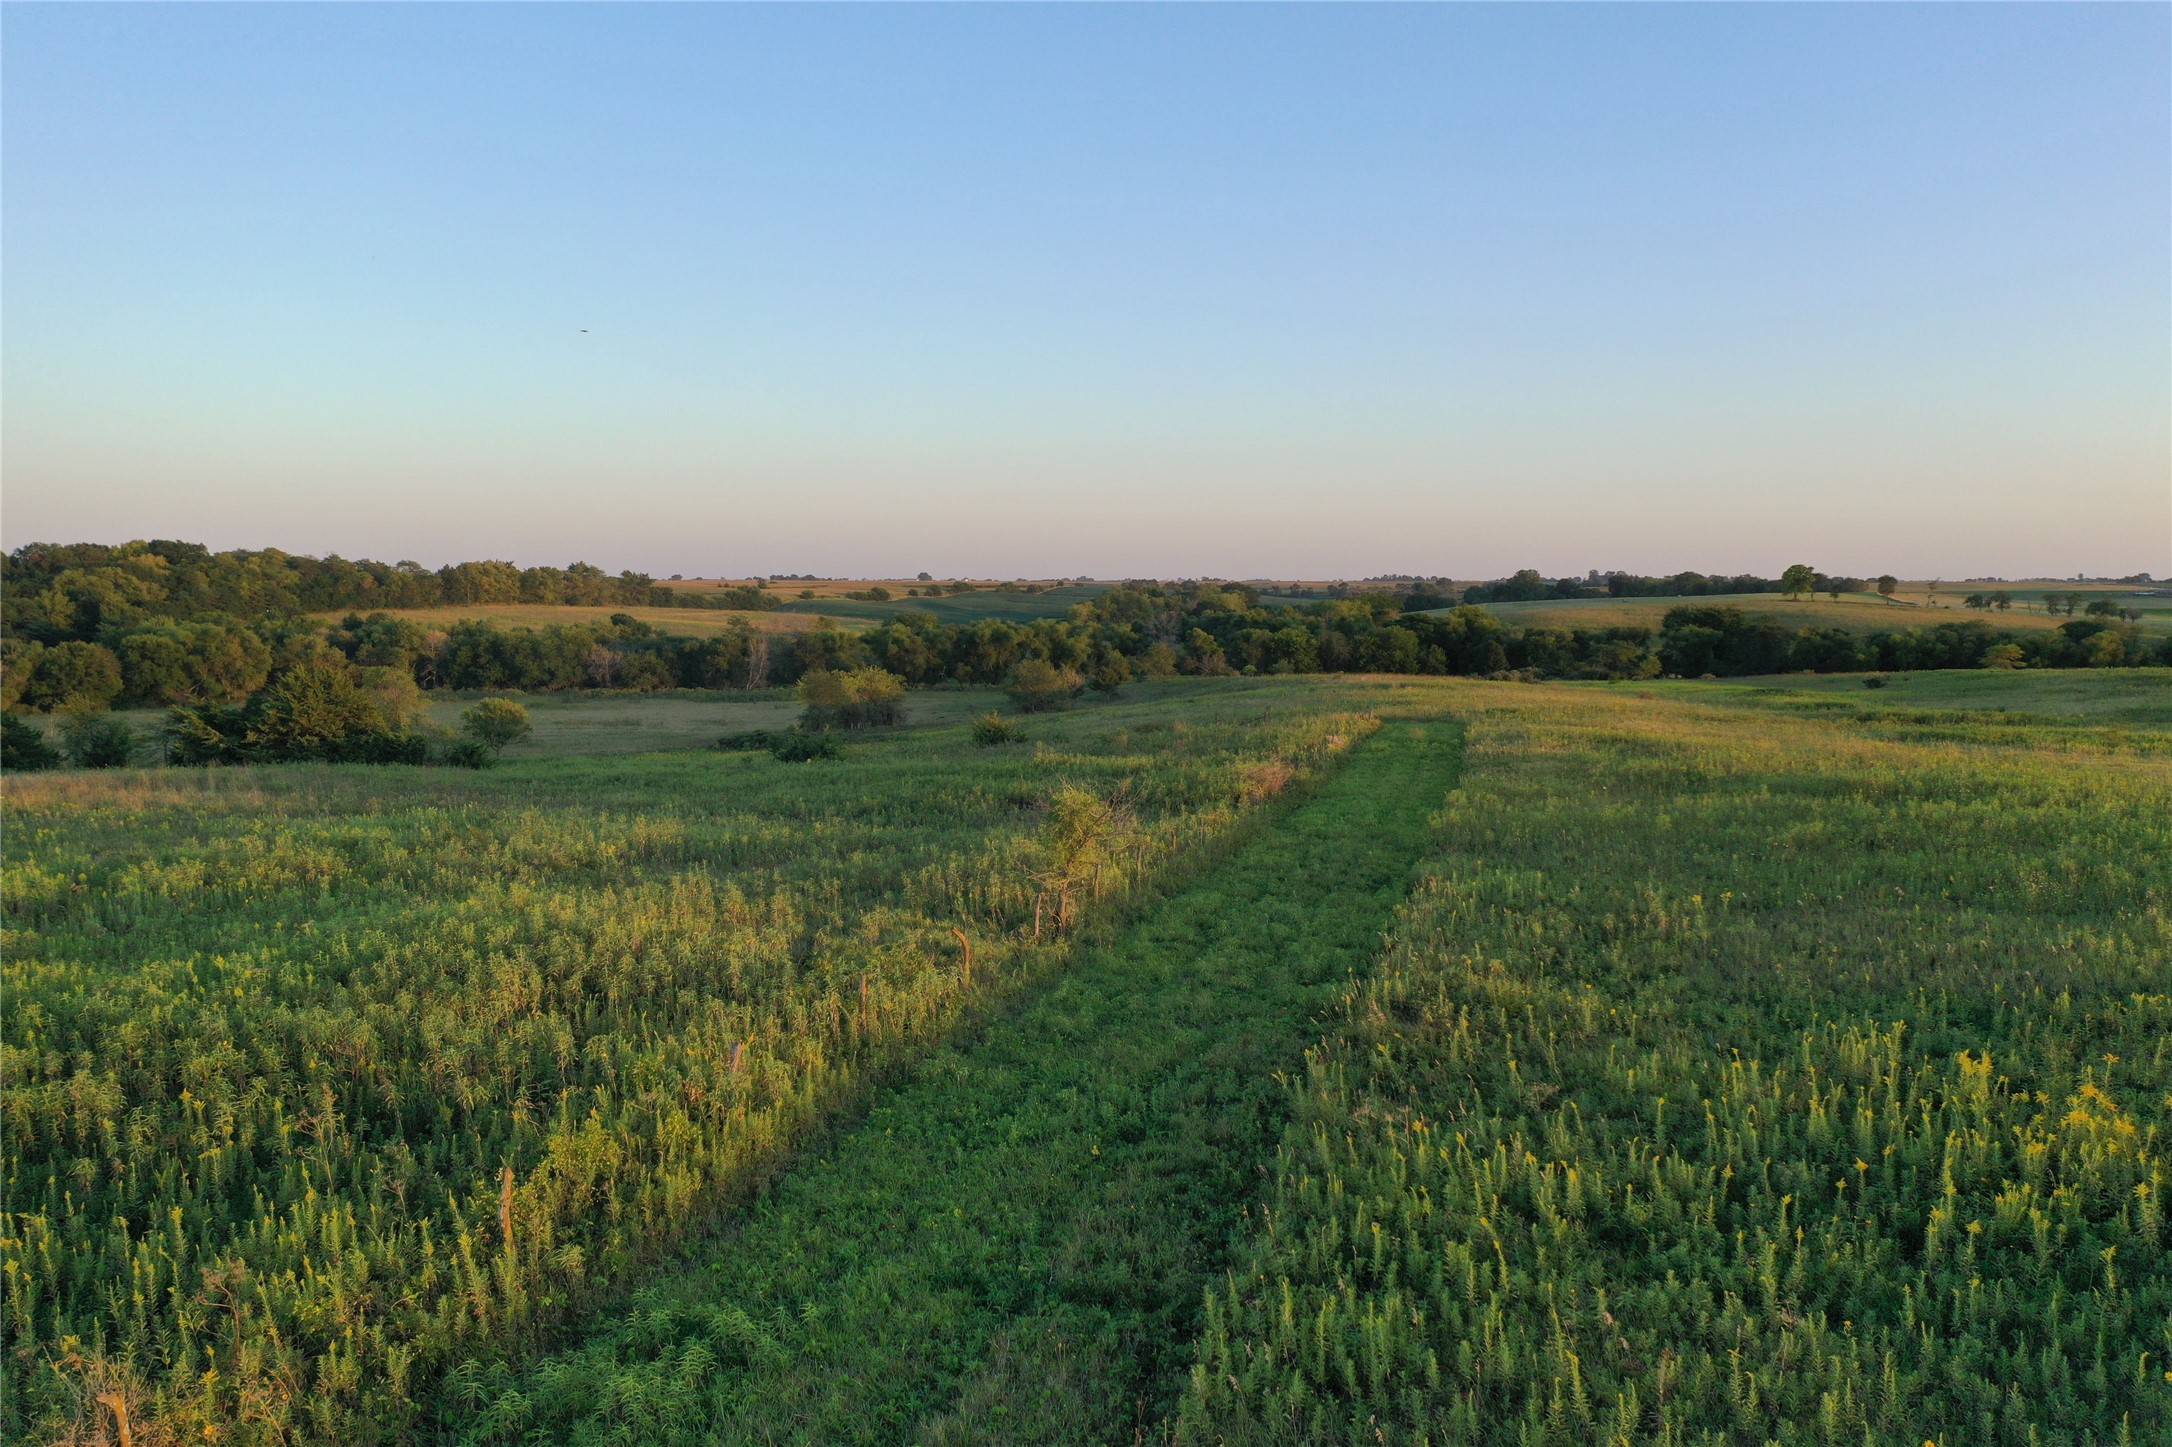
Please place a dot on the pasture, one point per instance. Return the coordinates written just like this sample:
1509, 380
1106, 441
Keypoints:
1339, 1060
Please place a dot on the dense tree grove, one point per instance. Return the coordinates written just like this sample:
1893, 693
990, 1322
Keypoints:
174, 625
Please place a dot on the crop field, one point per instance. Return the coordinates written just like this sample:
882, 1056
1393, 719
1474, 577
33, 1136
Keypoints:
1336, 1060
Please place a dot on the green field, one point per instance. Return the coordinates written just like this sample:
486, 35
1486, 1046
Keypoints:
1858, 612
1400, 1060
957, 608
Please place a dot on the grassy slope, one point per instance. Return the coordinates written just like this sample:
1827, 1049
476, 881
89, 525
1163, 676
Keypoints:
1014, 1243
2141, 696
1739, 1077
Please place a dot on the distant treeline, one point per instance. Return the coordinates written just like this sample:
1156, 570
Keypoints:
52, 593
1526, 586
206, 656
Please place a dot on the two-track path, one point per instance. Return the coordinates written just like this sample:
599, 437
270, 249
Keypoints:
1012, 1245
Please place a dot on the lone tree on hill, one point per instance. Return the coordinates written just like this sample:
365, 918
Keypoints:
1800, 578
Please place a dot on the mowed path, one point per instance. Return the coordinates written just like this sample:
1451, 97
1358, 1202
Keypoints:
1013, 1244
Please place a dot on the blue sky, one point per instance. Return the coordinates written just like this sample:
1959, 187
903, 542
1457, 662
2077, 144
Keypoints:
1115, 290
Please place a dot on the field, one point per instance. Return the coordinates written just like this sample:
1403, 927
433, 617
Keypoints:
958, 608
1859, 612
274, 1033
682, 622
1408, 1060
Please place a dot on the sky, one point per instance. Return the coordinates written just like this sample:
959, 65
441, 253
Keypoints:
1109, 290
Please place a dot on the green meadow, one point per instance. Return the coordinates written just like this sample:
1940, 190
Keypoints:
1277, 1060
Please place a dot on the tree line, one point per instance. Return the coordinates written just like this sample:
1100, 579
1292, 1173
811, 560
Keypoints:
1155, 630
53, 593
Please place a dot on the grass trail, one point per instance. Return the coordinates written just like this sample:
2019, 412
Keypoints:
1014, 1244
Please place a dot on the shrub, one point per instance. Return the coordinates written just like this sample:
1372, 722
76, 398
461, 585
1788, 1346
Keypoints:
749, 741
2002, 655
1876, 680
470, 753
991, 728
1038, 686
97, 741
23, 747
496, 724
799, 746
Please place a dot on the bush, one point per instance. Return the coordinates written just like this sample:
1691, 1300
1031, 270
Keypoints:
800, 746
1876, 680
1038, 686
991, 728
470, 753
495, 723
750, 741
23, 747
98, 741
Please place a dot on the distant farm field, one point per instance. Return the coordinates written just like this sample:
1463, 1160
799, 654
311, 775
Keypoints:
1017, 607
683, 622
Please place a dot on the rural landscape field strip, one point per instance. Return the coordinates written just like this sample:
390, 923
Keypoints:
1737, 1076
321, 1079
1015, 1242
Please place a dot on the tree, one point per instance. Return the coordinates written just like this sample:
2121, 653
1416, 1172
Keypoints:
496, 723
97, 741
77, 677
312, 711
2002, 655
1800, 578
2002, 600
1038, 686
23, 747
1111, 673
1888, 585
859, 699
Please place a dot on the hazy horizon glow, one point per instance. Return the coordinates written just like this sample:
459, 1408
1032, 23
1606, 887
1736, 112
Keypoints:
1116, 291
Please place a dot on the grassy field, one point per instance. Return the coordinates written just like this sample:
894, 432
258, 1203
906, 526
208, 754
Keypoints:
2138, 696
1769, 1061
1859, 612
681, 622
276, 1034
959, 608
1732, 1080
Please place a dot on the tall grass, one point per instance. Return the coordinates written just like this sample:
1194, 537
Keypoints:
275, 1037
1736, 1077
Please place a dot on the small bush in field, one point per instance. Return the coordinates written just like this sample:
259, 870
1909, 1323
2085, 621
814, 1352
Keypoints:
470, 753
1037, 686
496, 724
991, 728
747, 741
1876, 680
798, 746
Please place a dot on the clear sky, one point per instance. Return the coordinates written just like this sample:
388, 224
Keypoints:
1115, 290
